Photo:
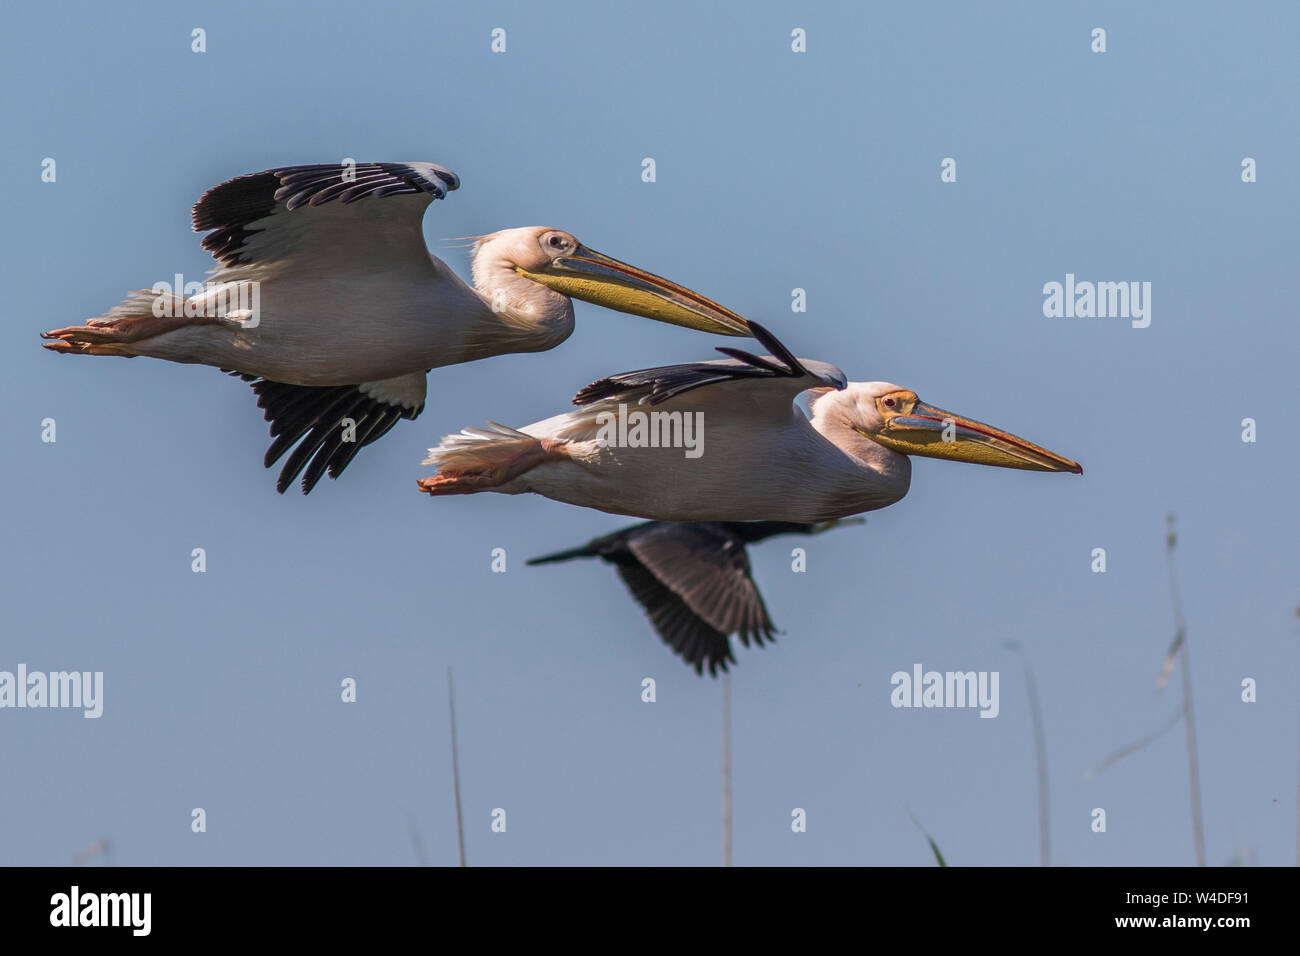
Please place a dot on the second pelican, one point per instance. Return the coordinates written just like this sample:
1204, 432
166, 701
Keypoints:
759, 458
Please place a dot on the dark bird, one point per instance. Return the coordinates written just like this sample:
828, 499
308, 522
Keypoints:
693, 580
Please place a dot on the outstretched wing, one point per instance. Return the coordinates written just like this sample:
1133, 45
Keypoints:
693, 580
707, 566
652, 386
690, 636
329, 424
314, 211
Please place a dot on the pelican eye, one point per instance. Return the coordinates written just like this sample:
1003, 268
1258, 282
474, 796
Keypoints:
556, 242
889, 403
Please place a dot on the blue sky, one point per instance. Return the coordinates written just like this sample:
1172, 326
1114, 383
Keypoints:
775, 170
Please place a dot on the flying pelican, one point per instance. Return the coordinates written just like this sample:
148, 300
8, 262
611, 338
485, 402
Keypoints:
327, 300
759, 458
693, 580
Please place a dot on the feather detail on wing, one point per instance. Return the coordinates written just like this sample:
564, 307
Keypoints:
329, 424
653, 386
249, 215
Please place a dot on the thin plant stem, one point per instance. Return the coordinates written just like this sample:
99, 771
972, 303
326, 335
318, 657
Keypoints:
1040, 758
1134, 747
417, 844
1189, 723
455, 770
726, 769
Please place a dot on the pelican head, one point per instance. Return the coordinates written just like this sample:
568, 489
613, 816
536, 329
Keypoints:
897, 419
557, 260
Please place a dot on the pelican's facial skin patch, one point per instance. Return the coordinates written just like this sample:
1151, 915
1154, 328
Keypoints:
911, 427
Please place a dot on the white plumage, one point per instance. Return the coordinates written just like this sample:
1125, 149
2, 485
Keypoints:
762, 458
351, 310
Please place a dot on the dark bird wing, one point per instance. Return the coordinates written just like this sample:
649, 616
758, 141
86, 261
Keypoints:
329, 424
707, 566
652, 386
693, 580
690, 636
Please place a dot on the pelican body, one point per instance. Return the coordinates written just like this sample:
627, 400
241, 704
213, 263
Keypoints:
351, 309
762, 459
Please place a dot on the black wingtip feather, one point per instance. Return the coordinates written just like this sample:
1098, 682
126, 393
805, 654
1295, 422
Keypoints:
669, 381
310, 420
231, 208
777, 348
755, 360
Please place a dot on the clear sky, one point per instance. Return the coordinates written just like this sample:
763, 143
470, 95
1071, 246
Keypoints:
775, 170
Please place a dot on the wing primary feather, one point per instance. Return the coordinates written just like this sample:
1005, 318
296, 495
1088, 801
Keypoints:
235, 210
321, 458
318, 436
334, 398
777, 348
669, 381
756, 360
311, 418
377, 429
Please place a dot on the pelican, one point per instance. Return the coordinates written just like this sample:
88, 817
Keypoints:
693, 580
327, 300
759, 458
